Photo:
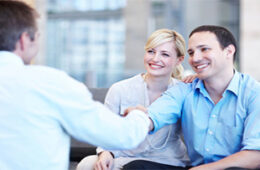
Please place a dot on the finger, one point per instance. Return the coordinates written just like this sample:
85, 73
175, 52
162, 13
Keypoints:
103, 166
185, 79
125, 113
128, 110
97, 166
110, 164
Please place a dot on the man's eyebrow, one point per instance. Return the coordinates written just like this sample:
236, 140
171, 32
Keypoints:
199, 46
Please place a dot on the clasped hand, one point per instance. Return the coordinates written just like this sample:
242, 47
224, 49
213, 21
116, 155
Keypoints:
138, 107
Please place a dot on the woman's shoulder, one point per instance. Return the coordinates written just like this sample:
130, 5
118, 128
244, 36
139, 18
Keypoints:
129, 82
173, 81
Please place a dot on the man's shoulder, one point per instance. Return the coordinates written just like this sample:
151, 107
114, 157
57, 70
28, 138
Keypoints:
183, 88
249, 88
249, 82
45, 75
44, 69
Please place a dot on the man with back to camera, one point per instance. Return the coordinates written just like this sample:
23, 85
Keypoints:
41, 107
219, 111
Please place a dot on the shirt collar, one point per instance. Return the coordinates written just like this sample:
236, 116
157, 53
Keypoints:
9, 58
200, 86
233, 85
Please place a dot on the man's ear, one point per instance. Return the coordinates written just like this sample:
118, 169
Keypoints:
22, 44
24, 40
230, 51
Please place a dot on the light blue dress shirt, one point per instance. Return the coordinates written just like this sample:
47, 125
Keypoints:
212, 131
41, 107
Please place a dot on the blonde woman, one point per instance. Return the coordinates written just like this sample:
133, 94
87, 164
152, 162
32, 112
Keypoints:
164, 52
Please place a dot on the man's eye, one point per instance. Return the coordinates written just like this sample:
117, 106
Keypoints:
190, 53
204, 49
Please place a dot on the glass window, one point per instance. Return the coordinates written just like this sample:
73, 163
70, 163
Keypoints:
86, 39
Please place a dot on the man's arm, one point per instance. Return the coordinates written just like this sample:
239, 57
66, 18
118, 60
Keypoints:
90, 121
244, 159
166, 109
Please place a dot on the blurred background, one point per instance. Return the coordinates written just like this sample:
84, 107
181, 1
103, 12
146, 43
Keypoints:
99, 42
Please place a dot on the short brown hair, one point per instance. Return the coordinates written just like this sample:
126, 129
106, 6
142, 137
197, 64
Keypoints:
224, 36
16, 17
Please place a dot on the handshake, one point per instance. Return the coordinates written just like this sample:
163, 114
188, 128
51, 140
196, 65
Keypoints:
141, 108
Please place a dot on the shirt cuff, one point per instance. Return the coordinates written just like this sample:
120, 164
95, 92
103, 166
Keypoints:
140, 114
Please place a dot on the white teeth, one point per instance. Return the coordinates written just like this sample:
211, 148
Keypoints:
155, 66
202, 66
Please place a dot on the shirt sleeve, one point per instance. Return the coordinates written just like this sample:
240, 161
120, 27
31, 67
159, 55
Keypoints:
112, 101
167, 108
251, 136
92, 122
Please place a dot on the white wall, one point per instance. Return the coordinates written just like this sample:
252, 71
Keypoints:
250, 37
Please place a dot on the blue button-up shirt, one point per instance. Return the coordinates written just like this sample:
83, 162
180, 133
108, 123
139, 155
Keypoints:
212, 131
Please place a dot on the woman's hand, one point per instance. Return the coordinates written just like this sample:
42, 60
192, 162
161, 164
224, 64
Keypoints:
105, 161
189, 79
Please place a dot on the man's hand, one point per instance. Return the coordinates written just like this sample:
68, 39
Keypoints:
143, 109
105, 161
138, 107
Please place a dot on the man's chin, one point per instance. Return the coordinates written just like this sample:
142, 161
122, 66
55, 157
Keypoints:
201, 76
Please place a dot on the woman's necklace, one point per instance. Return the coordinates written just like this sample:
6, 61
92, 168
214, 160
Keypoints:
145, 76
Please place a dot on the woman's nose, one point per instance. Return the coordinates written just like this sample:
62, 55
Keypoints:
156, 57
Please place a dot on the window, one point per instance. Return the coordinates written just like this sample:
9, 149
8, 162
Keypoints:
86, 39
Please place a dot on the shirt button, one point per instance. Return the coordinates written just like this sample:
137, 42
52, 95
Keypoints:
207, 149
214, 116
210, 132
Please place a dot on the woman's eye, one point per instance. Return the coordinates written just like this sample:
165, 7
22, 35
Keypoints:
150, 51
166, 55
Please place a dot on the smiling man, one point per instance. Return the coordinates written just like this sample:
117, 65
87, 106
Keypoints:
219, 111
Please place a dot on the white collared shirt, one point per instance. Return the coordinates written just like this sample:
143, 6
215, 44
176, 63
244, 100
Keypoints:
41, 107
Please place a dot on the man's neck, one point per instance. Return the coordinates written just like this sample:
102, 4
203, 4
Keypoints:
217, 85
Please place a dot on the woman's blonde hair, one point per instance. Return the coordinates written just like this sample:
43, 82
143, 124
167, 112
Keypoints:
165, 35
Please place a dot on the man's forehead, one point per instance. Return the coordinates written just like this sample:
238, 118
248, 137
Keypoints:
202, 38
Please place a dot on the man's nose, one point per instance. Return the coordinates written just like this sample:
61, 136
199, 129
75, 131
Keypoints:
196, 56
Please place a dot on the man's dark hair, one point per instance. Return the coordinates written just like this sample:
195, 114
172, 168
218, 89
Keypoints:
15, 18
224, 36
